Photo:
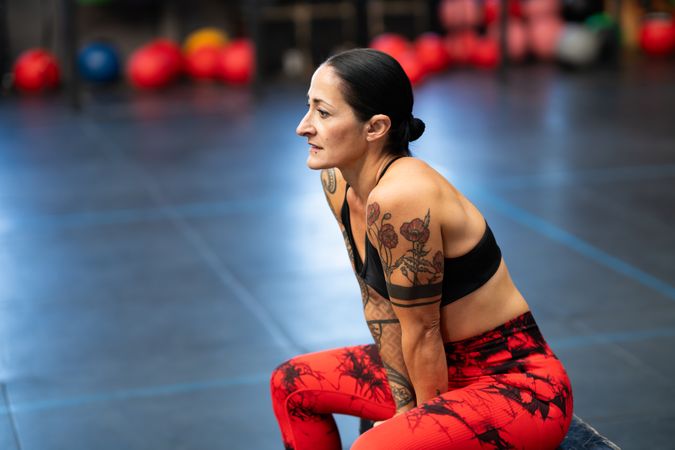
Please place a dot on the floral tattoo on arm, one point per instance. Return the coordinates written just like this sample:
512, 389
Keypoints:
424, 274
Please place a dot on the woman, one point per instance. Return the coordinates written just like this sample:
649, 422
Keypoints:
458, 361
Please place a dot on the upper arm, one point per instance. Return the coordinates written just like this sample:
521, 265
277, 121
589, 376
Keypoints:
333, 188
406, 231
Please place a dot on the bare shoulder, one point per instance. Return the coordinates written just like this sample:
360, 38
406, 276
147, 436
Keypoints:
412, 188
334, 189
410, 182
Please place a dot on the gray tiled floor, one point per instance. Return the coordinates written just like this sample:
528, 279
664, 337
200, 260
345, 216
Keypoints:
162, 253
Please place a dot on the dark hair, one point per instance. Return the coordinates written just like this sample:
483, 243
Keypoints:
375, 83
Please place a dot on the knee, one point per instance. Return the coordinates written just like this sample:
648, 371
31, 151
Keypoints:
294, 387
296, 374
282, 381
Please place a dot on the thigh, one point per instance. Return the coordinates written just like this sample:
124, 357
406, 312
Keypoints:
494, 413
348, 380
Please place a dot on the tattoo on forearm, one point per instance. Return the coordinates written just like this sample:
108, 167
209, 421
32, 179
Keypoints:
365, 294
329, 181
377, 328
349, 246
414, 264
401, 388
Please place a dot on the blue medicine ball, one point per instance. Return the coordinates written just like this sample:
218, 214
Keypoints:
98, 62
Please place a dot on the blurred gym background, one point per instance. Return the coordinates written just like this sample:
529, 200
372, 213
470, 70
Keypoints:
151, 44
164, 246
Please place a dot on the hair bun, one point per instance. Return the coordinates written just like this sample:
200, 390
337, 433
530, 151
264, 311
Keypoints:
417, 127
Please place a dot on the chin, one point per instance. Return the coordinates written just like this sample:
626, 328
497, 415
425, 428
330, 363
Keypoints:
315, 163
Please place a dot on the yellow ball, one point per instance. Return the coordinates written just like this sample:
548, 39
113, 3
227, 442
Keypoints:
204, 37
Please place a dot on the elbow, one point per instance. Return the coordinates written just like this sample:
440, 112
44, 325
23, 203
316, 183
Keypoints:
432, 329
426, 330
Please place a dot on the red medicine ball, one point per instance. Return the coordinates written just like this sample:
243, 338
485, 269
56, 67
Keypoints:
460, 46
150, 68
457, 14
36, 70
657, 35
486, 54
392, 44
412, 67
431, 52
202, 64
517, 38
543, 36
237, 62
172, 52
493, 9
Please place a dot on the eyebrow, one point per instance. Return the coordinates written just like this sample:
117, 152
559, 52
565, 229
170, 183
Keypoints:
318, 100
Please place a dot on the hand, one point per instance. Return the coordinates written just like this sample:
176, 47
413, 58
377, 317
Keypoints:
401, 411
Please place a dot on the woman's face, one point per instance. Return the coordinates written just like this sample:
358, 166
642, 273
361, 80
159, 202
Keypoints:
335, 136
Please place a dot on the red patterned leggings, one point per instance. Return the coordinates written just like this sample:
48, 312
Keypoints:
507, 390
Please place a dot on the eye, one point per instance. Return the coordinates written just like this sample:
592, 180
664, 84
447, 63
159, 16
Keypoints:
323, 114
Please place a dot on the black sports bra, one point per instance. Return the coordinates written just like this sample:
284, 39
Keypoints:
461, 275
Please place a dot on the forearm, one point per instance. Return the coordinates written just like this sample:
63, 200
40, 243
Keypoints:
386, 331
388, 340
424, 358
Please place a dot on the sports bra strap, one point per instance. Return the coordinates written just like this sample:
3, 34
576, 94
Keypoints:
387, 167
379, 178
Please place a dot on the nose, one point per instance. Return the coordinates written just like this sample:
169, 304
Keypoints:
305, 128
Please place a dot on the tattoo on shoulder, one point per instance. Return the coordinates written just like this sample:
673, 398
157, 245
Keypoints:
415, 264
329, 181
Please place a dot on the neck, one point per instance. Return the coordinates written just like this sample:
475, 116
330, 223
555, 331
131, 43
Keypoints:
363, 174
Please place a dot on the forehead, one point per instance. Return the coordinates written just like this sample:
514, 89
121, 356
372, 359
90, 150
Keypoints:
325, 86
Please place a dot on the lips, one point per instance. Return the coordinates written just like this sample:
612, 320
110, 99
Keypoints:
314, 146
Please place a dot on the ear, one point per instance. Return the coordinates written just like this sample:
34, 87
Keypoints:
377, 127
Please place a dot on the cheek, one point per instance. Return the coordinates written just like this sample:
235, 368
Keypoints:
344, 135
